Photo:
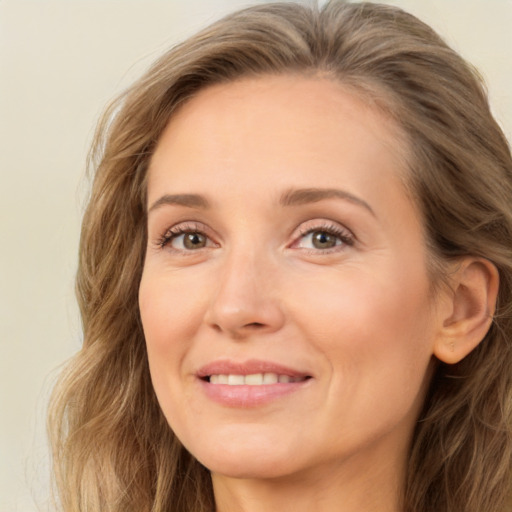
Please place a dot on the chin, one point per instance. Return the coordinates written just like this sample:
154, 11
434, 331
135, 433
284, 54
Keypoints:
264, 468
249, 459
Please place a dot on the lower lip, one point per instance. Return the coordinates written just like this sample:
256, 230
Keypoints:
250, 396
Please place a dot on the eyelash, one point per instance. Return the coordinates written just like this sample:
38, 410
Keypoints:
344, 235
179, 230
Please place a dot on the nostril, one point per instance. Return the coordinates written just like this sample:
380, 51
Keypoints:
254, 325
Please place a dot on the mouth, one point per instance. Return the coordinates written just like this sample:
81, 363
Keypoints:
250, 383
253, 379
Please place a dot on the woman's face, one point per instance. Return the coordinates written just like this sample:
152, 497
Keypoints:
285, 298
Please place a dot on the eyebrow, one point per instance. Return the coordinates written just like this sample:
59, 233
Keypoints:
189, 200
294, 197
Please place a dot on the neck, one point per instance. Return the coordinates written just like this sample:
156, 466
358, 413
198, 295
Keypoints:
349, 488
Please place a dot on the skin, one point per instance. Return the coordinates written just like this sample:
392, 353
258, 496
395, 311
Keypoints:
358, 317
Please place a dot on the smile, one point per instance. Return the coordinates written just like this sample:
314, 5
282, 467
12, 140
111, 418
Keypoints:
255, 379
252, 383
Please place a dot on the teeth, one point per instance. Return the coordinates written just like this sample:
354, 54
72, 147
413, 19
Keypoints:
236, 380
270, 378
255, 379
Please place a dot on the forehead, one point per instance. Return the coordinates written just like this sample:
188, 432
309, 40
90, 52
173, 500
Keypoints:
277, 128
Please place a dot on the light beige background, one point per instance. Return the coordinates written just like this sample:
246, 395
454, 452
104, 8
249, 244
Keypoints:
60, 62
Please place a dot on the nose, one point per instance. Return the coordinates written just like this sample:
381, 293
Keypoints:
246, 300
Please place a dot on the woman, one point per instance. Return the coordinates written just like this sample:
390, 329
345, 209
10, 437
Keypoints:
295, 278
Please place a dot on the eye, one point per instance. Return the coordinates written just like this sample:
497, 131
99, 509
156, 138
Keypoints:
189, 241
321, 240
324, 238
185, 237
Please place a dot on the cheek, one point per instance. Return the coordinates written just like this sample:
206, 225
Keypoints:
359, 302
169, 319
373, 330
170, 311
376, 337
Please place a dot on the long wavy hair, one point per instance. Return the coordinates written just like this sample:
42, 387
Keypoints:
112, 447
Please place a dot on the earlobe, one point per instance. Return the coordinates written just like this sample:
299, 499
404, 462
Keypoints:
470, 308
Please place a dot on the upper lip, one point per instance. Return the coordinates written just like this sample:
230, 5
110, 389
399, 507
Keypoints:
249, 367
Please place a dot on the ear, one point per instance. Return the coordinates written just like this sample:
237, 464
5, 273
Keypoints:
468, 309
